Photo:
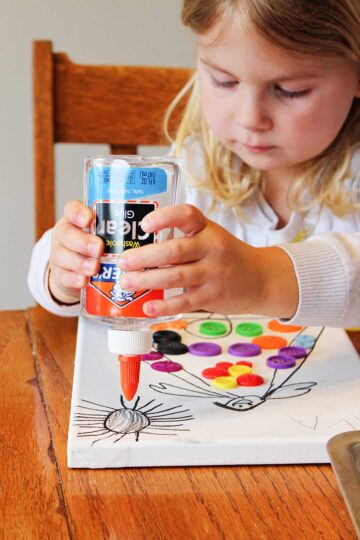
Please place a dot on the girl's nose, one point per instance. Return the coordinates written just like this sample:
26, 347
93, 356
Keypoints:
252, 113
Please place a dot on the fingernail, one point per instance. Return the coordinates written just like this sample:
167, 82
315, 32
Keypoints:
81, 220
125, 282
93, 248
122, 262
146, 224
79, 280
149, 309
89, 265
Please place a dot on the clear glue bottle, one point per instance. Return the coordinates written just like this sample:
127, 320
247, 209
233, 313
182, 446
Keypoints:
121, 191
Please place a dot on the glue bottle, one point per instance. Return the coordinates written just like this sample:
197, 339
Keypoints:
121, 191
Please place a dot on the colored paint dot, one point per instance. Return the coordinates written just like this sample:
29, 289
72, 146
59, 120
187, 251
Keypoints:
235, 371
244, 363
166, 336
153, 355
296, 352
244, 349
158, 326
212, 373
205, 349
172, 347
281, 361
224, 365
304, 340
166, 366
179, 325
213, 328
250, 379
278, 327
225, 383
249, 329
270, 342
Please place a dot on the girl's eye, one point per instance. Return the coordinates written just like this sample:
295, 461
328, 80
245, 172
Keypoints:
223, 84
290, 94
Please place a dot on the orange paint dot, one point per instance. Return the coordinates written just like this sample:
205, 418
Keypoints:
278, 327
270, 342
158, 326
180, 325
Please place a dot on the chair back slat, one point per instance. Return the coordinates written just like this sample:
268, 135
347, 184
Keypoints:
121, 106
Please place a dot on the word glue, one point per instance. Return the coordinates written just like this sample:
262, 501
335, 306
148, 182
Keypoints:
121, 191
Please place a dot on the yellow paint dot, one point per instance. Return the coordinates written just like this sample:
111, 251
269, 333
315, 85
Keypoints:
225, 383
236, 371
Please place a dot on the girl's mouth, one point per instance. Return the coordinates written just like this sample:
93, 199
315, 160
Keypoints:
258, 149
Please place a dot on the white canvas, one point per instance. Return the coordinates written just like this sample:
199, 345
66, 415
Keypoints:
180, 419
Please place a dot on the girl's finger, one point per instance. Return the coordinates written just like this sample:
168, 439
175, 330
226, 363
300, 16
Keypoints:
183, 303
68, 282
181, 276
78, 241
176, 251
185, 217
69, 260
78, 214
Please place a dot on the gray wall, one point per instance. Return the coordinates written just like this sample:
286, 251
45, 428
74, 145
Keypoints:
147, 32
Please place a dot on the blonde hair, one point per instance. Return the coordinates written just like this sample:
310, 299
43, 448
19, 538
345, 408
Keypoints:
328, 28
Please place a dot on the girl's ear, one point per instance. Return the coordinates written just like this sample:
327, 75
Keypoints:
357, 93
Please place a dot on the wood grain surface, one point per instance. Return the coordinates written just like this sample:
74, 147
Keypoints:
31, 497
41, 498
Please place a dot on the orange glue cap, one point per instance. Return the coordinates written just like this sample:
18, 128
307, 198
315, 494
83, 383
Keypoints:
129, 345
129, 374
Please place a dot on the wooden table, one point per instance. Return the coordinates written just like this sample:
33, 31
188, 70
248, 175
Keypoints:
41, 498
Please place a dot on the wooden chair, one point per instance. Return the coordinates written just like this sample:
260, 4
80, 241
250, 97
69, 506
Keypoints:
122, 106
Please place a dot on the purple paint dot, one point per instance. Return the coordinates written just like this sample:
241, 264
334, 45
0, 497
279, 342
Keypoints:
205, 349
244, 349
296, 352
166, 366
281, 361
153, 355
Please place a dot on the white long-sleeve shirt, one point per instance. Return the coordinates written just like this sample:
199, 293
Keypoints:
324, 249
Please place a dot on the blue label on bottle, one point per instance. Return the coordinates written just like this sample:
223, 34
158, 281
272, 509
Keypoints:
120, 183
109, 272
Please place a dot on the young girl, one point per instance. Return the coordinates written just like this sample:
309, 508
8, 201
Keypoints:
271, 138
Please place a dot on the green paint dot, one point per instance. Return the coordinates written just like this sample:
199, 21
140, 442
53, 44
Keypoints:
249, 329
212, 328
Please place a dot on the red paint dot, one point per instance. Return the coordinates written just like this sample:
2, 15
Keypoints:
250, 379
244, 363
224, 365
213, 373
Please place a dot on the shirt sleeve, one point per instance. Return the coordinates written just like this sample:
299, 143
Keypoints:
38, 279
327, 269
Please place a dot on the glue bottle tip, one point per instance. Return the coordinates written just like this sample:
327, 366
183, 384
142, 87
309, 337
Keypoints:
129, 374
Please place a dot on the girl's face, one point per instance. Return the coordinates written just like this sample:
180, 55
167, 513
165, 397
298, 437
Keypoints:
274, 108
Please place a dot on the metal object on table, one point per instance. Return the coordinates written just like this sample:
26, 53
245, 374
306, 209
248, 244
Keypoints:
344, 452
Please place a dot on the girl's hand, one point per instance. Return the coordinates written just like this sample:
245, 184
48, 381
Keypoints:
74, 253
219, 272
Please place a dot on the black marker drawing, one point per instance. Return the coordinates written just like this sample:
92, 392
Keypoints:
312, 427
101, 422
197, 387
343, 421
